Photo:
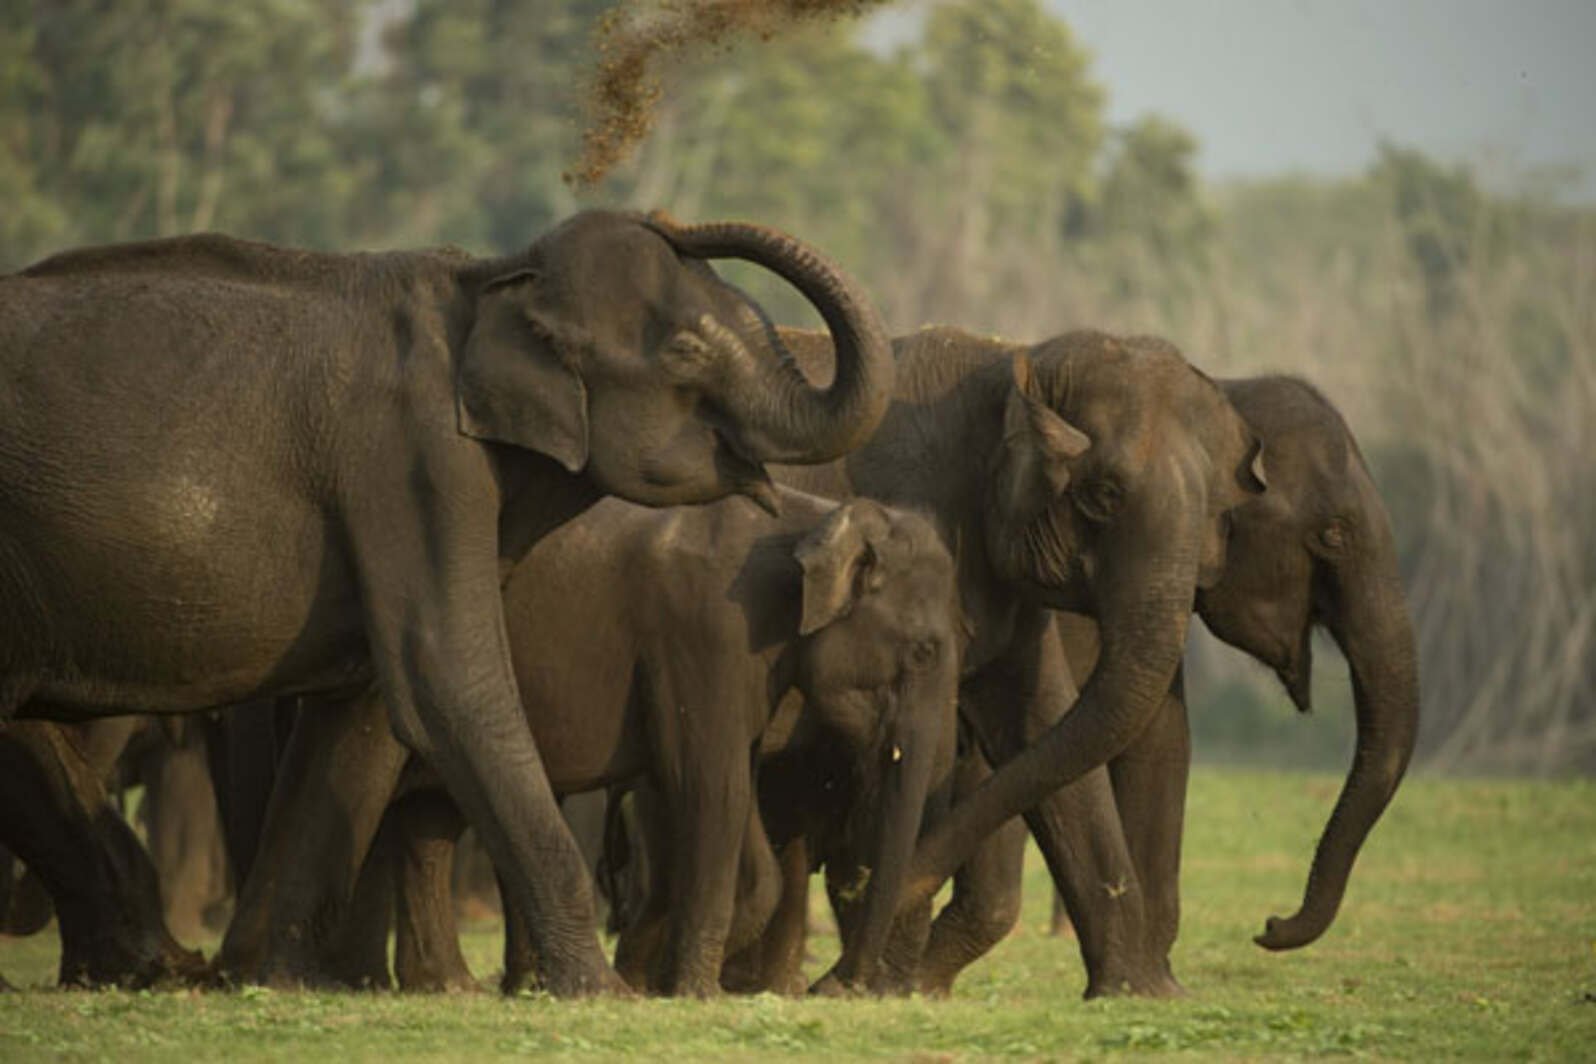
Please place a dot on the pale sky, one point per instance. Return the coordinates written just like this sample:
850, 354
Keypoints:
1277, 86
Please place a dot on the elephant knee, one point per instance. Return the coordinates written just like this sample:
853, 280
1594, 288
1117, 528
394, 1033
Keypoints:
991, 918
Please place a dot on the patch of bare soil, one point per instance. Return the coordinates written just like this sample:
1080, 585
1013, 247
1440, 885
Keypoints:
639, 39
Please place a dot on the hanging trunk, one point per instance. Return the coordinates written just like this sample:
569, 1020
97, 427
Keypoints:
1142, 642
1373, 630
780, 416
902, 804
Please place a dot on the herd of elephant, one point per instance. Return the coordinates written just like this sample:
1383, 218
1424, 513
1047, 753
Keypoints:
361, 499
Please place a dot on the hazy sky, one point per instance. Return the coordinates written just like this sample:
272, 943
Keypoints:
1271, 86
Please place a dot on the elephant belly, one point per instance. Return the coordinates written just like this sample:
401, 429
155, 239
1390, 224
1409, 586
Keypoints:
583, 718
177, 599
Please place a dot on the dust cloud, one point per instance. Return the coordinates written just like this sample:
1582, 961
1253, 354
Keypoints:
637, 39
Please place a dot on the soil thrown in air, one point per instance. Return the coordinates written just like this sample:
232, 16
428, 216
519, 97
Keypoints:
637, 38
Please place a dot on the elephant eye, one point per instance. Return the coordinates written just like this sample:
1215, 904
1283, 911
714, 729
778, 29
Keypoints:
1333, 537
922, 653
1098, 499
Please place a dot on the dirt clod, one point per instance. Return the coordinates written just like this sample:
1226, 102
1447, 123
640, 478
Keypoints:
637, 39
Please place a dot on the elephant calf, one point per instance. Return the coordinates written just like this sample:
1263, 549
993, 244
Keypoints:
657, 646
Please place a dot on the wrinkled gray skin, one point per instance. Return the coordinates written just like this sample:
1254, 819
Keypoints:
57, 814
661, 650
1087, 472
1315, 550
657, 646
231, 471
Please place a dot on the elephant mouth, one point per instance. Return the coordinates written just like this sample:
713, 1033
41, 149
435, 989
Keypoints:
747, 476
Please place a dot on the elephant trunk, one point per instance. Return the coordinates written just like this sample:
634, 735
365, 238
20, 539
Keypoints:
1375, 633
782, 417
911, 753
1142, 642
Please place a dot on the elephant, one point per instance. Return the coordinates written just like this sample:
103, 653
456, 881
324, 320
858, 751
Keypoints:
58, 816
658, 646
230, 471
1317, 549
1087, 472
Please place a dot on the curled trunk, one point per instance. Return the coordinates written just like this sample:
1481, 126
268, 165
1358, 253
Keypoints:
782, 417
1374, 632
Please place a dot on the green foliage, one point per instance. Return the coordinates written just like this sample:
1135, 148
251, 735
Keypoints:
1467, 934
158, 117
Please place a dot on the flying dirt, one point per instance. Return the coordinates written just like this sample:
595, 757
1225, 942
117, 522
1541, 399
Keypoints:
636, 41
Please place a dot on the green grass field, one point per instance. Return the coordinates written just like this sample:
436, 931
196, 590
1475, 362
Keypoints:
1469, 932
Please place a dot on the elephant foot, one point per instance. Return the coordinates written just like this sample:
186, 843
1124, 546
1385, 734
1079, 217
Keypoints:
446, 984
831, 985
444, 977
584, 979
1158, 983
115, 964
516, 982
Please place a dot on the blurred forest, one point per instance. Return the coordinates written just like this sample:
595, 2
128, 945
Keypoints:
969, 176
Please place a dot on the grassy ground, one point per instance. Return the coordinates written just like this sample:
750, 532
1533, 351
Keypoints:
1470, 931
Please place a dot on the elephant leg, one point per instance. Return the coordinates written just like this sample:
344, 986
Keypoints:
1149, 782
1078, 831
587, 815
640, 951
703, 879
758, 887
774, 961
184, 832
986, 896
335, 780
243, 746
56, 816
1059, 922
520, 955
1077, 828
427, 954
25, 905
356, 955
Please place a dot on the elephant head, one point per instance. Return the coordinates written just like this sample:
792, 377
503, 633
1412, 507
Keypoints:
878, 667
1318, 549
612, 347
1108, 493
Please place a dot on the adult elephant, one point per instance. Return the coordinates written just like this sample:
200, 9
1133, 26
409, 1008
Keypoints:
230, 470
1315, 550
1087, 472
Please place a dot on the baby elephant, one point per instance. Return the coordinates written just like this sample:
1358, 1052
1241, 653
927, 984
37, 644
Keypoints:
655, 646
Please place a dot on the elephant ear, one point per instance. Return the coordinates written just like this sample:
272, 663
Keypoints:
841, 563
1038, 445
513, 384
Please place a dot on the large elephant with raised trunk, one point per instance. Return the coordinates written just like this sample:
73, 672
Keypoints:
230, 470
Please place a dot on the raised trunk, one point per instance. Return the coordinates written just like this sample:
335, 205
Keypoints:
1374, 632
780, 416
